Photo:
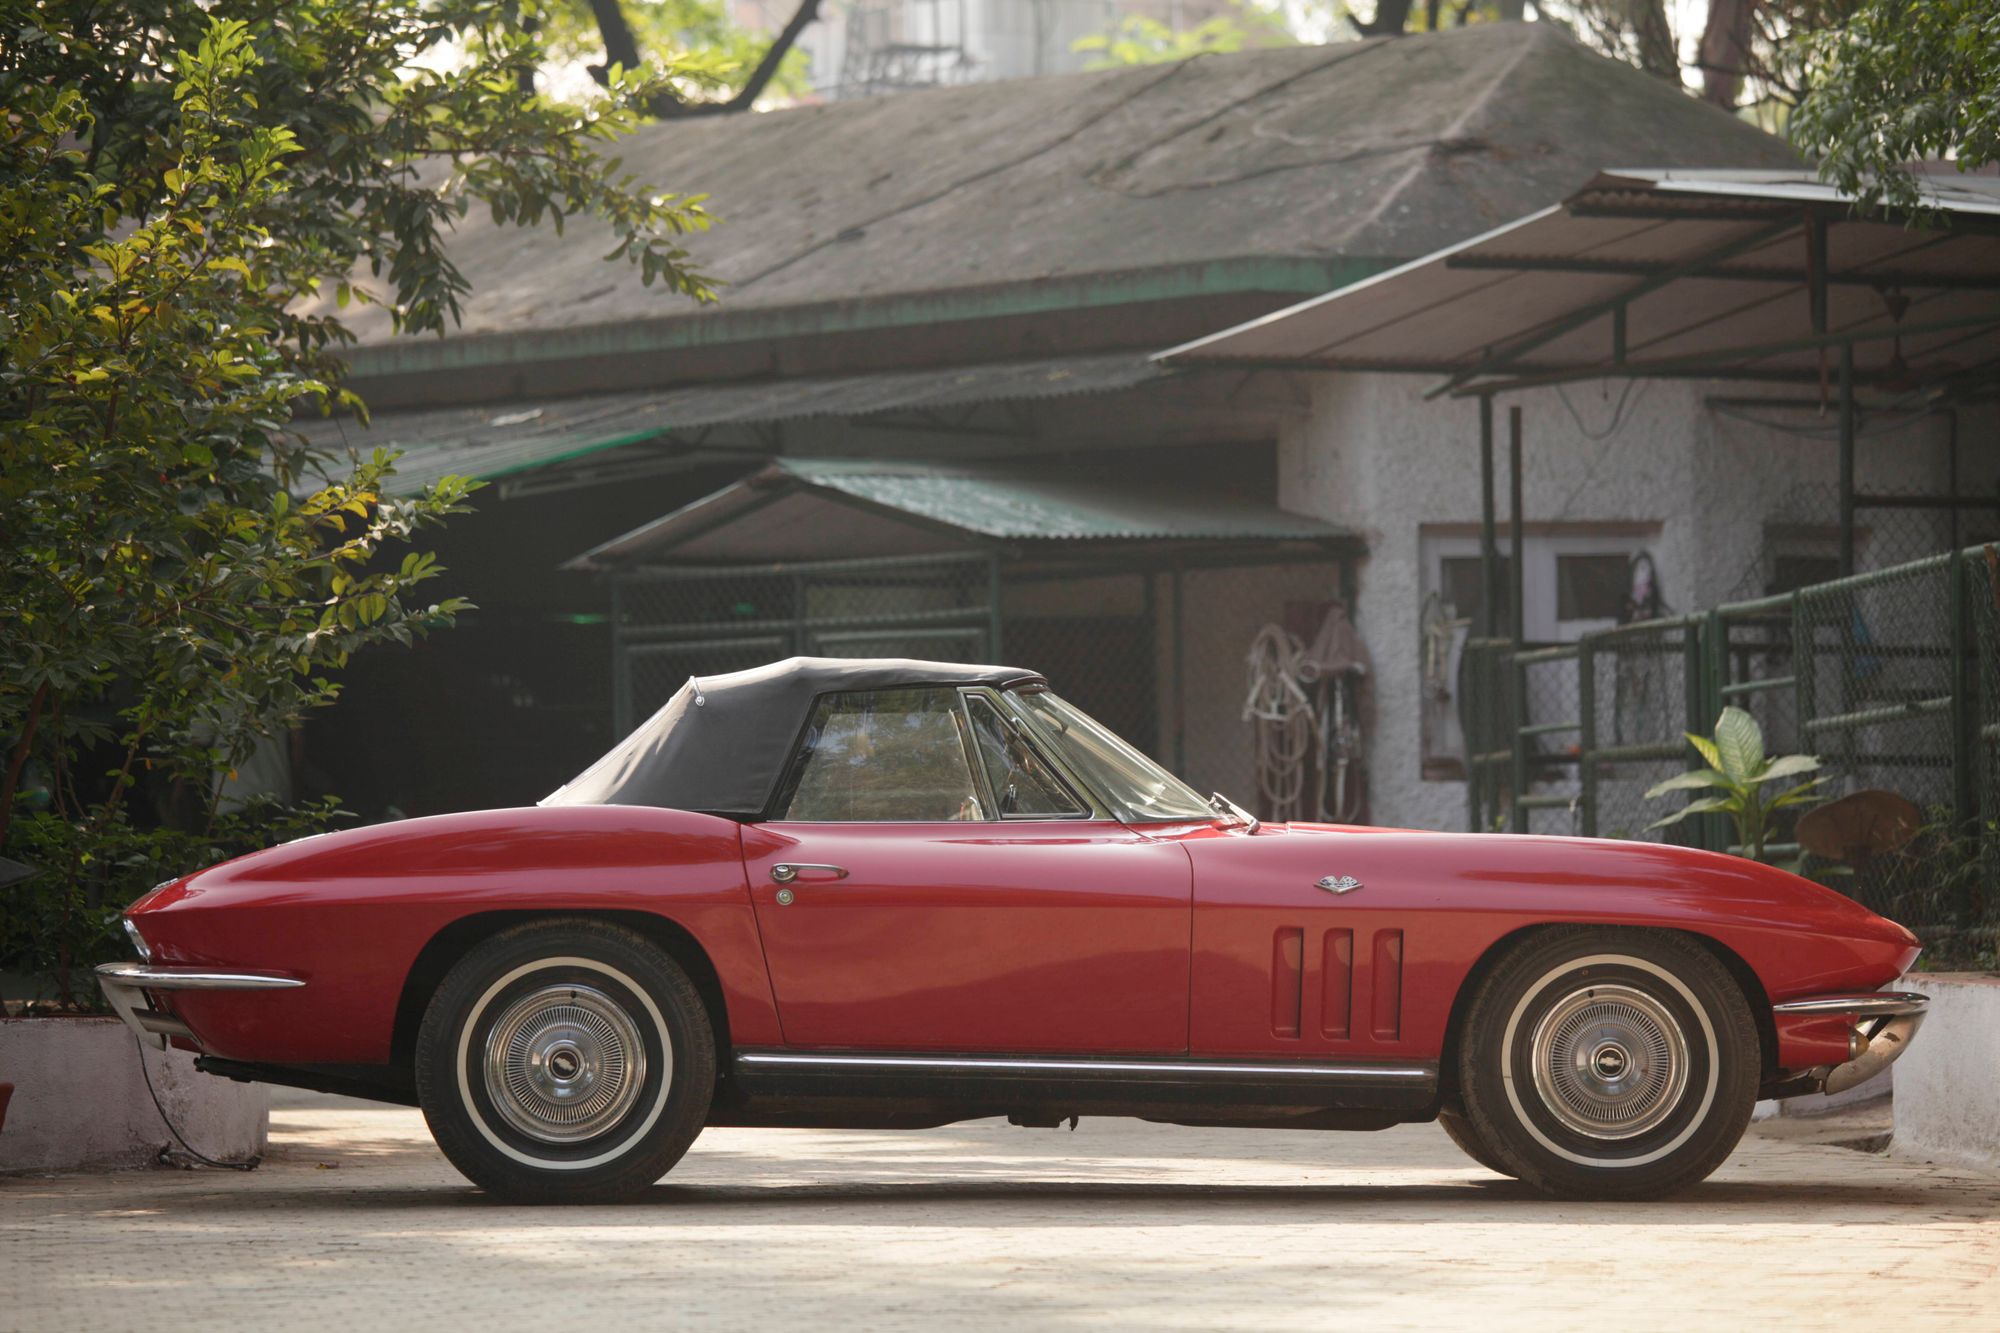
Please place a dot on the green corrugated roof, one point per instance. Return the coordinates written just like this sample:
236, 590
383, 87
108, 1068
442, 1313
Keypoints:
499, 440
981, 505
1021, 505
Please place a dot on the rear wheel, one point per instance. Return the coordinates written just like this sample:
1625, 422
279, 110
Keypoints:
565, 1061
1609, 1063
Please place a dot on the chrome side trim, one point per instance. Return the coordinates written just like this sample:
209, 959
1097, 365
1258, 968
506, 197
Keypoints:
1862, 1004
190, 978
959, 1064
125, 986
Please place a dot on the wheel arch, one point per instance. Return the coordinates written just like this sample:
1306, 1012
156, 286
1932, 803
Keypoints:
461, 936
1732, 962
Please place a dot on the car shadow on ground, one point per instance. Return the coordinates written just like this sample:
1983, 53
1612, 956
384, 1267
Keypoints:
1080, 1203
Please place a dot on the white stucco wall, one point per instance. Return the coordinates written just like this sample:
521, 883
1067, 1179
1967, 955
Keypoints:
1373, 455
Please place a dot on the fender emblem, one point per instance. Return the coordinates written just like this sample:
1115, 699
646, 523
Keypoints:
1339, 884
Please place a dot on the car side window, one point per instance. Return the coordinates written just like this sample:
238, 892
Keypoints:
884, 755
1022, 785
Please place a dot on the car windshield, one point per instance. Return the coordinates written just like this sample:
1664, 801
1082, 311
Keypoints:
1140, 788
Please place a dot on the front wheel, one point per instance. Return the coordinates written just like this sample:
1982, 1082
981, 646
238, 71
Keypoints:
1609, 1063
565, 1061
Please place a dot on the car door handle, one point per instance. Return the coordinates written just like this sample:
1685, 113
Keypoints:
786, 871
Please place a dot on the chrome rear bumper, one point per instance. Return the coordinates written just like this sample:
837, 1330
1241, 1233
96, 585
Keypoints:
125, 986
1882, 1024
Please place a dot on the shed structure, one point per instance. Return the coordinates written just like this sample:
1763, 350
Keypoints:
1089, 579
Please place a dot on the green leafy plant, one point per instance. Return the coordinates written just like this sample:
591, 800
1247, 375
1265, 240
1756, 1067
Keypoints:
192, 192
1736, 779
1901, 82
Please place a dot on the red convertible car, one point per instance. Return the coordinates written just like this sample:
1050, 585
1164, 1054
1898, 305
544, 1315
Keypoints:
895, 894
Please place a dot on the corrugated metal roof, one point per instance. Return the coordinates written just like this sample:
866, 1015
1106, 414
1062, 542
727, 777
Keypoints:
1956, 194
504, 439
1016, 505
804, 509
1711, 271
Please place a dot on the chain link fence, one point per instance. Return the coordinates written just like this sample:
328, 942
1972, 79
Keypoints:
1892, 678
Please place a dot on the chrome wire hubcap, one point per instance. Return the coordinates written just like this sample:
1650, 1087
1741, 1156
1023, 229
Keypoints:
564, 1063
1609, 1062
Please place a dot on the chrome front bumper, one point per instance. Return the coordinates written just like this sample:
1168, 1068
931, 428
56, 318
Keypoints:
1881, 1024
125, 986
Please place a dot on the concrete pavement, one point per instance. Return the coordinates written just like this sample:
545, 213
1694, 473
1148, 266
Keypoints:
356, 1221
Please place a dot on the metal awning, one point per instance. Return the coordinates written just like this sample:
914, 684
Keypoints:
504, 440
820, 509
1655, 273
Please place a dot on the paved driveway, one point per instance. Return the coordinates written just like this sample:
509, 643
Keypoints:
356, 1222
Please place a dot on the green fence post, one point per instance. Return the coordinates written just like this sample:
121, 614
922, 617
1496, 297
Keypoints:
621, 663
1586, 745
1472, 671
1805, 670
1965, 723
1517, 813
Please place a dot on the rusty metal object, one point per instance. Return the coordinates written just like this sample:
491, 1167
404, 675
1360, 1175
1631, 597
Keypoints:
1859, 825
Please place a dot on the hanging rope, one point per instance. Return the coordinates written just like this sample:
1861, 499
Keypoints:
1284, 724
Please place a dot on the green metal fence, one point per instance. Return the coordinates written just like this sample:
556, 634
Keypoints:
1891, 677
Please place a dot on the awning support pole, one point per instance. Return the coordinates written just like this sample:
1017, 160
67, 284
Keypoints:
1951, 474
1816, 271
1517, 817
1180, 680
1489, 553
1516, 531
1846, 459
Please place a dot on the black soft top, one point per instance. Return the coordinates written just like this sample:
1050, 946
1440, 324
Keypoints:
720, 745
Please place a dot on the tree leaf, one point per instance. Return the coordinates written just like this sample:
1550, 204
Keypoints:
1803, 794
1739, 745
1699, 778
1705, 806
1790, 766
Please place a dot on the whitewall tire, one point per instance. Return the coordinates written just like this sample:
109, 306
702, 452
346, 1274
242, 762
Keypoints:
1608, 1063
565, 1060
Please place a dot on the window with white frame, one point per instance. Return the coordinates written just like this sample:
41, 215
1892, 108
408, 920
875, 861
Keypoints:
1575, 579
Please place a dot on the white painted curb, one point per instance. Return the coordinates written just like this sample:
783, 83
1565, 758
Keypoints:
1948, 1084
80, 1100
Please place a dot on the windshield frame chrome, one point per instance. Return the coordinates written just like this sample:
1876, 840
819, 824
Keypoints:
1052, 745
1096, 807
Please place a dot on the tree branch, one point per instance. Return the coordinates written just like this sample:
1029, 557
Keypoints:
1725, 44
1391, 17
19, 759
780, 46
622, 48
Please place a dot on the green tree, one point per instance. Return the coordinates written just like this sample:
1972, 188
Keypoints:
179, 576
1138, 40
627, 28
1903, 81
